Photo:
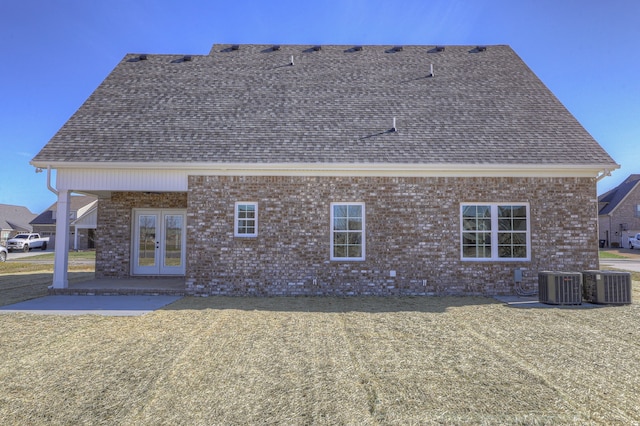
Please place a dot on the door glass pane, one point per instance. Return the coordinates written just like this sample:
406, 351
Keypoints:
147, 240
173, 240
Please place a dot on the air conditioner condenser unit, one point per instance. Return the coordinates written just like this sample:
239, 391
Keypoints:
607, 287
560, 288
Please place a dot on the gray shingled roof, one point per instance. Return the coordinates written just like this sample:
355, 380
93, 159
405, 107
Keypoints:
15, 218
615, 196
335, 105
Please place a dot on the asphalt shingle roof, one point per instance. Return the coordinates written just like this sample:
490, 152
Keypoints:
334, 105
15, 218
615, 196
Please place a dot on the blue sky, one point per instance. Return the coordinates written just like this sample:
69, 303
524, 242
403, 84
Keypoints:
53, 54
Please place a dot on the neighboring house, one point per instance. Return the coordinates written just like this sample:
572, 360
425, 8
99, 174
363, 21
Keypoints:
83, 221
13, 220
282, 170
619, 213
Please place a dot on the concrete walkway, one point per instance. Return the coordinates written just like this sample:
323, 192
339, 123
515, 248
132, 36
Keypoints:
91, 305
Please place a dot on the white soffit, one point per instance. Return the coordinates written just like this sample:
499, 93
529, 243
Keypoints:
120, 177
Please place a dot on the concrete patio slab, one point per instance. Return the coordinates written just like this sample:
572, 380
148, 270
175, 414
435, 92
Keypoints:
91, 305
136, 286
533, 302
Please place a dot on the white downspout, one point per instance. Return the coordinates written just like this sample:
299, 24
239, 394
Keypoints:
51, 188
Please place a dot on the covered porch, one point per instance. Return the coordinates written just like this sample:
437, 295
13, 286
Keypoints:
128, 248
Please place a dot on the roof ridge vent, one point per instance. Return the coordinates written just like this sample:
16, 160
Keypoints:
138, 58
440, 48
235, 47
186, 58
316, 48
481, 48
275, 47
397, 48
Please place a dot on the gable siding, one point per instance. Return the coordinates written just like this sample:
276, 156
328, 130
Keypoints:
412, 228
118, 179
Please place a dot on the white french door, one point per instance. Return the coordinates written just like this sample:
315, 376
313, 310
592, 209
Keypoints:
159, 242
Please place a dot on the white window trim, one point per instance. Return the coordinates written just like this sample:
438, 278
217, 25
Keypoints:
494, 233
364, 228
236, 219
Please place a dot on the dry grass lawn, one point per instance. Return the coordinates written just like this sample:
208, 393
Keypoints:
18, 286
204, 361
29, 277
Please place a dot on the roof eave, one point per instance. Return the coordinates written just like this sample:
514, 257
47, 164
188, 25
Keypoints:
450, 169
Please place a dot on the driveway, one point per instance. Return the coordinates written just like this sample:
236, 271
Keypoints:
624, 264
631, 261
15, 255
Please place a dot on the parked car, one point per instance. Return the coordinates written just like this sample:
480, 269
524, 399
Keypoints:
634, 242
3, 253
26, 242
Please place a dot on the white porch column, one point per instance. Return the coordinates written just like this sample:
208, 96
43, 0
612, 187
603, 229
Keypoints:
61, 257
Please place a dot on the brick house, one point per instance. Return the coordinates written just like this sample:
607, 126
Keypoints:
619, 213
286, 170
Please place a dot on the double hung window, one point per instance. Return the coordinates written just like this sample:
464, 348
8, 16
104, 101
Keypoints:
347, 231
246, 219
495, 232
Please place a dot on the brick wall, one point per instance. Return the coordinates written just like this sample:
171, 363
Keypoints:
113, 235
412, 228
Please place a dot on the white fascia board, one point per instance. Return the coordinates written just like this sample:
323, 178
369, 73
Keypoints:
352, 169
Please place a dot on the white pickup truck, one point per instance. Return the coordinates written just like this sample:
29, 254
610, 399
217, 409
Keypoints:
26, 242
634, 242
